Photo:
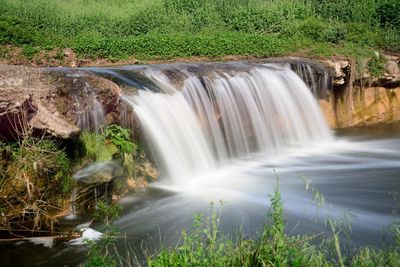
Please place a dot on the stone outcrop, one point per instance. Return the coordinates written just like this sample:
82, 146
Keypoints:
339, 69
51, 101
357, 100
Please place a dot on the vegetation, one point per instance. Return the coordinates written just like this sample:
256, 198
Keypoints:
164, 29
36, 173
35, 182
120, 137
99, 252
205, 245
103, 146
114, 142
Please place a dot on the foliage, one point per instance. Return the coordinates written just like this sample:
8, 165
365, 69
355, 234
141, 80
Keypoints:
29, 51
205, 246
13, 30
389, 14
36, 179
376, 66
202, 246
274, 247
102, 147
99, 252
179, 45
120, 137
96, 147
164, 29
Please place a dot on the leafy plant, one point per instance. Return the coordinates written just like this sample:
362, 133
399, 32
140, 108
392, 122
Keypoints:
120, 137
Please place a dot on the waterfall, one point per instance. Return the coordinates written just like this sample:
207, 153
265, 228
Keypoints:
93, 118
199, 117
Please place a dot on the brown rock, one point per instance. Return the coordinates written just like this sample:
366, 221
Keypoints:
392, 68
51, 100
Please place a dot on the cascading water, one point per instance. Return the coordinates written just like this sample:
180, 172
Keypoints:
93, 118
206, 120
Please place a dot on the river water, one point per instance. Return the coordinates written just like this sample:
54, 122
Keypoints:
230, 134
357, 174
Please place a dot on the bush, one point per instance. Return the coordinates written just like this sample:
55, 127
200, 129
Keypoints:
14, 30
389, 14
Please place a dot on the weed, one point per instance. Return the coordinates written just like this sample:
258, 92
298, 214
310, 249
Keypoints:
30, 51
376, 66
99, 252
206, 245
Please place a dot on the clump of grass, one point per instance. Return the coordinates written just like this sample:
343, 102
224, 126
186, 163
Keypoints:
376, 66
99, 252
36, 180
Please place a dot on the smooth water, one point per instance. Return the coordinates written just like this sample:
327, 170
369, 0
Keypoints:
356, 174
225, 136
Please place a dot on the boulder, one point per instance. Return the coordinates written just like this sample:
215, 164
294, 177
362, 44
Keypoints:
392, 68
98, 173
52, 101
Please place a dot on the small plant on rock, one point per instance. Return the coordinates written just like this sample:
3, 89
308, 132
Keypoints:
120, 137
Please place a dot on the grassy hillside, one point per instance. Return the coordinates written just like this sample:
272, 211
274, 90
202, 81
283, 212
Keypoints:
164, 29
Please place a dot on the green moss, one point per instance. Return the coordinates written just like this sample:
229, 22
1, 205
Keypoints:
95, 146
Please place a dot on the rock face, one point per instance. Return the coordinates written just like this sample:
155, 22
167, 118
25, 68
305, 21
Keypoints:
339, 70
51, 102
365, 100
361, 106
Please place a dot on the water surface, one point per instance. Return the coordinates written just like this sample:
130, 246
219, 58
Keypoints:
356, 173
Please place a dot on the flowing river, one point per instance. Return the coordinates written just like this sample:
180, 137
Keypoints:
231, 137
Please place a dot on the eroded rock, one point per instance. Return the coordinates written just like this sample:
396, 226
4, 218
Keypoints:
51, 101
339, 69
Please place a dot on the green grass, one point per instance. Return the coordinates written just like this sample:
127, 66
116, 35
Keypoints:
205, 245
164, 29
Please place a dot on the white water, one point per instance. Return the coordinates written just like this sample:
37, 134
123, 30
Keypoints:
213, 119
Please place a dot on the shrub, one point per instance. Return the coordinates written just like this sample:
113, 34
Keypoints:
14, 30
389, 14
